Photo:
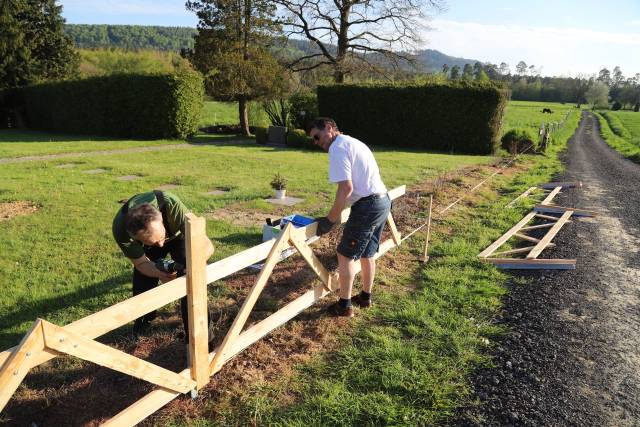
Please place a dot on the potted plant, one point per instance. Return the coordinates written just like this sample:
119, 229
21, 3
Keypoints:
279, 183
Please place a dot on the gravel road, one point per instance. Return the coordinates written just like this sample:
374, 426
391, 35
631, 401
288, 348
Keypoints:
572, 356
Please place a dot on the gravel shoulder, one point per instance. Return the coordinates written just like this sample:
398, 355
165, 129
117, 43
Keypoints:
572, 354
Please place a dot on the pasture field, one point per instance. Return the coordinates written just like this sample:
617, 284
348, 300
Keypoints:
528, 114
621, 130
404, 362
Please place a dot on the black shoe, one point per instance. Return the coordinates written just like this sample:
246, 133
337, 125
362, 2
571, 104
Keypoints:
336, 309
140, 326
361, 302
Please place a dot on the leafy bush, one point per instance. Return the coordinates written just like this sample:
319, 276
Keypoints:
518, 140
455, 116
261, 135
616, 106
298, 138
303, 108
278, 111
278, 182
124, 105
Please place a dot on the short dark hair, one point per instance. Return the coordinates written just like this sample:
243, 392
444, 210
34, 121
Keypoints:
321, 122
139, 217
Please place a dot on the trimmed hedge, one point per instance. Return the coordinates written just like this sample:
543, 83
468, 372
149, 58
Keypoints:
122, 105
457, 116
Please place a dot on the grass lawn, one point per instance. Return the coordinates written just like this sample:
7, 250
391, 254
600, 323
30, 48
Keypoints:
621, 130
529, 114
226, 113
61, 263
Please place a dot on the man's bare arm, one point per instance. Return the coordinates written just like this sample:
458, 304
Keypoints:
148, 268
345, 188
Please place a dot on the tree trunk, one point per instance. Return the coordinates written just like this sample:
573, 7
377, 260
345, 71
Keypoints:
244, 116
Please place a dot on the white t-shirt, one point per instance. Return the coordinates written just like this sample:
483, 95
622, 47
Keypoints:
351, 159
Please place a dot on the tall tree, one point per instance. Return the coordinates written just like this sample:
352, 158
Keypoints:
604, 76
467, 72
598, 95
231, 51
445, 70
455, 72
33, 45
351, 32
521, 68
505, 70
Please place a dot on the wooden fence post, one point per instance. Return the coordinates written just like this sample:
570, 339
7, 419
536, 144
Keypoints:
197, 299
425, 255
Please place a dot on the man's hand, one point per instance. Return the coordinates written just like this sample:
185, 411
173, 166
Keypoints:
324, 225
166, 277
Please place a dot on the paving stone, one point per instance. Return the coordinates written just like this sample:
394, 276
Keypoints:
128, 177
286, 201
95, 171
167, 187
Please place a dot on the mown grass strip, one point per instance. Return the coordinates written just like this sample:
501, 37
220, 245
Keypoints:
625, 146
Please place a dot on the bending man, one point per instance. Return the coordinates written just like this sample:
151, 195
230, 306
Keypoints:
353, 167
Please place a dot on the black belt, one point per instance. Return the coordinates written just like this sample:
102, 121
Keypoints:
374, 196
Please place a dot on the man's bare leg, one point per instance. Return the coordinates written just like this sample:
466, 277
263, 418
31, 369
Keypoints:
368, 273
347, 271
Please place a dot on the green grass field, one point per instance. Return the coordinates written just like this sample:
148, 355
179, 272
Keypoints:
529, 114
226, 113
621, 130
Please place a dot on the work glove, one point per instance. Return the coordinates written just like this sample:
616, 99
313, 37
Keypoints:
324, 225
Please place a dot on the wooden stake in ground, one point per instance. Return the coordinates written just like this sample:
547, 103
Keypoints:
425, 255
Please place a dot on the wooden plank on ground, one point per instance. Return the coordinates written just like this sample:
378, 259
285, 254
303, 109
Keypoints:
525, 237
518, 250
551, 196
550, 235
548, 217
524, 194
310, 258
18, 365
552, 185
555, 209
506, 236
76, 345
536, 227
532, 264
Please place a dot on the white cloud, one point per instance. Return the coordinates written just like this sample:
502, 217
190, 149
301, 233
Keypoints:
558, 50
635, 22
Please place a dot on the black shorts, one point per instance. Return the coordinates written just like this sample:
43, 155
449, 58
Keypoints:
363, 230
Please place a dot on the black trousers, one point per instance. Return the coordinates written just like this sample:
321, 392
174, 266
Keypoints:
141, 283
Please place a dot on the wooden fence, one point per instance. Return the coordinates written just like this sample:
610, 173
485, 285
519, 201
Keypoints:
45, 341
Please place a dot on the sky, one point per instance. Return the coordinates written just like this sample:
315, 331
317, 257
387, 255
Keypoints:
561, 37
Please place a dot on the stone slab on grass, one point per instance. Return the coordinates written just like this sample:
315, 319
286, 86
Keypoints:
128, 177
95, 171
285, 201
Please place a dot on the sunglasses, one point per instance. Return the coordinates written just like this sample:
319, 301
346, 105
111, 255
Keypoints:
316, 137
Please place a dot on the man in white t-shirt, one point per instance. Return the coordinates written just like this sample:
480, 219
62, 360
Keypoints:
353, 167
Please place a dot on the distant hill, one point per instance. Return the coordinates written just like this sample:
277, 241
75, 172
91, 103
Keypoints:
131, 36
176, 38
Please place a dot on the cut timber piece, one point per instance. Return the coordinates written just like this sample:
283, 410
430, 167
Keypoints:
525, 194
549, 208
519, 250
532, 264
549, 217
506, 236
310, 258
196, 247
395, 234
550, 235
536, 227
525, 237
551, 185
17, 367
76, 345
551, 196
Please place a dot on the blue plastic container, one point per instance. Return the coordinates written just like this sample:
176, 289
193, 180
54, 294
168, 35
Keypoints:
297, 221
